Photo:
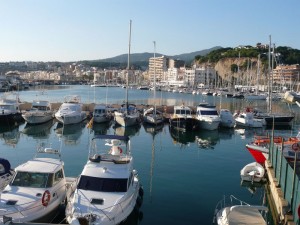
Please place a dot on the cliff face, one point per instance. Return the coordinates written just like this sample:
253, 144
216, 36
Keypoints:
247, 68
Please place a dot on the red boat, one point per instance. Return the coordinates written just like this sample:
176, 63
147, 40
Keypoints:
259, 148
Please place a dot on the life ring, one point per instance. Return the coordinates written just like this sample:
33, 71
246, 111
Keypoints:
120, 149
296, 147
46, 198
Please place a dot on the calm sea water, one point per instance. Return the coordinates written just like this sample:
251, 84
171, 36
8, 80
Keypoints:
184, 175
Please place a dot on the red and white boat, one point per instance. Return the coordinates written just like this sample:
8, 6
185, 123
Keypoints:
259, 149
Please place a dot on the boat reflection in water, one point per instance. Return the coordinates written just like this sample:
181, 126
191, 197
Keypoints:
70, 133
253, 187
207, 139
38, 131
153, 129
127, 131
182, 137
101, 128
10, 134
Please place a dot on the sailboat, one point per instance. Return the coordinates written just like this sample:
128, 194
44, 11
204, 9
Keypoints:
256, 95
270, 117
128, 115
152, 115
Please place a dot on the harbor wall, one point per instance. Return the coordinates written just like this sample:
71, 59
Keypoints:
90, 107
284, 186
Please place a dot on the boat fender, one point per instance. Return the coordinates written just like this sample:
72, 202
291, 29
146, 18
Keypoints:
4, 166
141, 192
120, 149
46, 198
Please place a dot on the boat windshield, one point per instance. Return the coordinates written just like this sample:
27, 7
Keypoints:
102, 184
183, 112
208, 112
27, 179
7, 107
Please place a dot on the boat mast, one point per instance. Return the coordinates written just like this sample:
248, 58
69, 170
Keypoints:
269, 73
128, 66
154, 43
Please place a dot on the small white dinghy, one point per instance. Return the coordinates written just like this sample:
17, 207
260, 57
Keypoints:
253, 172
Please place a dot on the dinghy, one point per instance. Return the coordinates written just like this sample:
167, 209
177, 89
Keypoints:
253, 172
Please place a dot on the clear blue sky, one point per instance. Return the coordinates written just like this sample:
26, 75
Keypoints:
71, 30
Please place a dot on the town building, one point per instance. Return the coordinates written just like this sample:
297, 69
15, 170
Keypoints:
286, 74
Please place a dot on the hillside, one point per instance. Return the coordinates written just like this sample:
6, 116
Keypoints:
142, 59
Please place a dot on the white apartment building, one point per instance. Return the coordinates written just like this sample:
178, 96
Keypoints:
191, 77
204, 76
158, 66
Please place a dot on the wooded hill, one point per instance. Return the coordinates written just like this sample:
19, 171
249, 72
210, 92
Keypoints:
284, 55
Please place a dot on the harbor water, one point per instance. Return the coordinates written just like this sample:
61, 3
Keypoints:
184, 175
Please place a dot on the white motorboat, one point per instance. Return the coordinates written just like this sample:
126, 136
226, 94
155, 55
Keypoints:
183, 119
227, 212
9, 109
128, 115
36, 190
253, 172
101, 114
108, 188
246, 119
70, 112
40, 112
208, 116
6, 173
153, 116
227, 119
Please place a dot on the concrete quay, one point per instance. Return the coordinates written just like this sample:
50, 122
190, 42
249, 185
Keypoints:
89, 107
279, 206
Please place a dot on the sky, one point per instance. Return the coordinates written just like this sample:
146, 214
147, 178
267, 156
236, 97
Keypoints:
73, 30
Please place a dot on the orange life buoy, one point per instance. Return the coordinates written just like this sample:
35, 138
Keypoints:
46, 198
120, 149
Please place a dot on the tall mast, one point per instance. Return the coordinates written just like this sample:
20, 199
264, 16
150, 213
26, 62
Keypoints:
128, 65
269, 73
154, 80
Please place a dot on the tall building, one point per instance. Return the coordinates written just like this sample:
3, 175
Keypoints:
286, 74
158, 66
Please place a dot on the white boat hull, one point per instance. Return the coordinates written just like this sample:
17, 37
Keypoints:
70, 118
127, 120
37, 117
209, 125
253, 172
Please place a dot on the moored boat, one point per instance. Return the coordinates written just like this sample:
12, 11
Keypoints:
10, 109
235, 211
40, 112
260, 147
246, 119
108, 188
207, 116
226, 118
37, 189
70, 112
183, 119
102, 114
253, 172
